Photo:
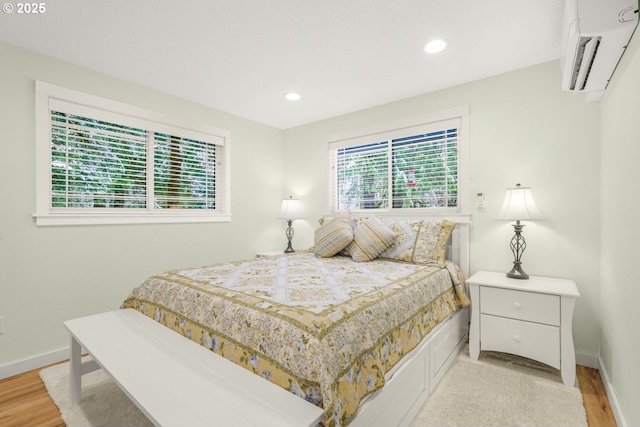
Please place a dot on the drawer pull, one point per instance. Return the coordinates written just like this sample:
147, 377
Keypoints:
517, 305
516, 338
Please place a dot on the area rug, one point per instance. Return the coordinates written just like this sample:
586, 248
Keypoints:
502, 390
103, 403
496, 390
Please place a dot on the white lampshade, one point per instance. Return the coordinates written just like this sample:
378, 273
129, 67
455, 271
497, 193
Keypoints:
519, 205
290, 209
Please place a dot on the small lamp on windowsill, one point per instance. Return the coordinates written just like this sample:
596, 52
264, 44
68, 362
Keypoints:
290, 210
519, 206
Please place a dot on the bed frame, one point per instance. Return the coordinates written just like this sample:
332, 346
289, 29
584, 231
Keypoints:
175, 381
410, 383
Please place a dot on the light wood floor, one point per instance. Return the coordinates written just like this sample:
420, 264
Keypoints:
596, 403
24, 401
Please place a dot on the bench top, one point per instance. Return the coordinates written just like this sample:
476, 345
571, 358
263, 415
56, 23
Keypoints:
177, 382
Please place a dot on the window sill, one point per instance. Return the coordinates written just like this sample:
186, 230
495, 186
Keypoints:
53, 219
429, 213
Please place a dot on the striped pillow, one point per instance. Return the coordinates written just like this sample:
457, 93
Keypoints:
369, 239
333, 236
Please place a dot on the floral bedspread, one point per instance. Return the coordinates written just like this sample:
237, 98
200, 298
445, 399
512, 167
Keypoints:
326, 329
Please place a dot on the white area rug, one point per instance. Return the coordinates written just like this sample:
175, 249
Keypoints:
502, 390
497, 390
103, 403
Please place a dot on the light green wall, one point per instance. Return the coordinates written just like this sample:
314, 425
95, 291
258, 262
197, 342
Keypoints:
51, 274
523, 129
621, 231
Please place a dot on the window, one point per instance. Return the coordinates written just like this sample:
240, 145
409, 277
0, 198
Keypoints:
414, 164
100, 162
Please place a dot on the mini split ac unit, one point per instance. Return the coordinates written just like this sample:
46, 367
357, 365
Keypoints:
595, 34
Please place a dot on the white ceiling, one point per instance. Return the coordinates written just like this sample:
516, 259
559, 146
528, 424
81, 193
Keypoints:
242, 56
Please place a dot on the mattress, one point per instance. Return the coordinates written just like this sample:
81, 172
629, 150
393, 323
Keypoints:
326, 329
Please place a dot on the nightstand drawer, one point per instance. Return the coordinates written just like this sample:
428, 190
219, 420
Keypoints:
531, 306
533, 340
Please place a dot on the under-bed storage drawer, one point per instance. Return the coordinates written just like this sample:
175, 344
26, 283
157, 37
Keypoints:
411, 379
533, 340
444, 343
408, 388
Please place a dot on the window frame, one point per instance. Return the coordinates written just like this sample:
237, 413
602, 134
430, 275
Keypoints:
45, 214
405, 128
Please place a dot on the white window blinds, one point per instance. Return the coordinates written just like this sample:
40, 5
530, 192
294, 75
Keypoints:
97, 164
410, 167
425, 170
361, 176
103, 163
184, 173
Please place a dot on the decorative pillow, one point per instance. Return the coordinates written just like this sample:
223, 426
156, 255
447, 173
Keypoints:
406, 232
370, 238
431, 245
325, 218
333, 236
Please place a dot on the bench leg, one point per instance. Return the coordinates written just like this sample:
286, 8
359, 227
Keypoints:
76, 371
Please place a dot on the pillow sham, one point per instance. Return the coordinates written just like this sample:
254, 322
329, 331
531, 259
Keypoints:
431, 244
370, 238
333, 236
406, 231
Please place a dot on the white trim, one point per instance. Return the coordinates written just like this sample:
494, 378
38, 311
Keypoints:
595, 362
120, 108
421, 126
460, 113
47, 94
196, 131
611, 395
464, 168
588, 360
129, 218
26, 365
407, 122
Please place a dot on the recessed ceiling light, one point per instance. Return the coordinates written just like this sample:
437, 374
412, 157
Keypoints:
435, 46
292, 96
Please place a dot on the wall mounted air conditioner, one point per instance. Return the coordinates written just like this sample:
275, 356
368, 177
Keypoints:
595, 34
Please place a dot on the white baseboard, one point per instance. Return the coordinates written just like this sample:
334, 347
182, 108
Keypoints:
22, 366
588, 360
595, 362
611, 394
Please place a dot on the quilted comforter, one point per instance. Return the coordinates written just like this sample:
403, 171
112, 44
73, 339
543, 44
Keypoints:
326, 329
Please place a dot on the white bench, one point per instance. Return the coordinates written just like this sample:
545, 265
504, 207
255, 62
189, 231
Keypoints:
176, 382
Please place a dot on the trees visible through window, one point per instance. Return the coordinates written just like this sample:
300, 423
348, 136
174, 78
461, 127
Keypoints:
414, 167
425, 170
96, 164
104, 166
185, 173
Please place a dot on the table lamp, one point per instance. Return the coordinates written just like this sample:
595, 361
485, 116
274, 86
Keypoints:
519, 206
290, 210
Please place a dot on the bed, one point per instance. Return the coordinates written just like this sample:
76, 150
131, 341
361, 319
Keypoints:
336, 328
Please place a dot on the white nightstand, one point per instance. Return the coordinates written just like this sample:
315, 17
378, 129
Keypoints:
531, 318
